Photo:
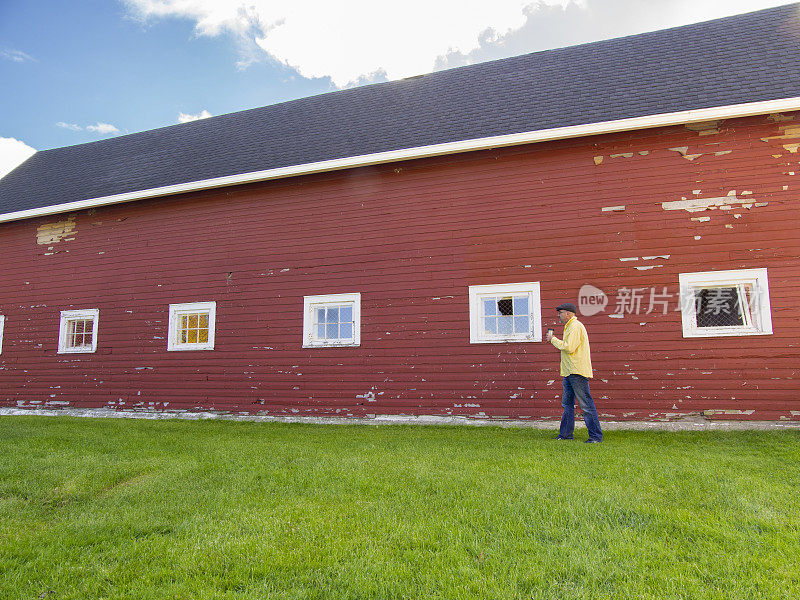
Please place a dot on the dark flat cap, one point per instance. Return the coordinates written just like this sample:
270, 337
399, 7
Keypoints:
567, 306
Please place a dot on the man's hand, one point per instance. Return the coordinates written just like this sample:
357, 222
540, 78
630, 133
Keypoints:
549, 335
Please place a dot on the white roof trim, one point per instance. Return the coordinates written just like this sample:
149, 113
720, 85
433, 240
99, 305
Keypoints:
515, 139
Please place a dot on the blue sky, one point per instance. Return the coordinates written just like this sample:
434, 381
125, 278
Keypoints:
82, 70
89, 61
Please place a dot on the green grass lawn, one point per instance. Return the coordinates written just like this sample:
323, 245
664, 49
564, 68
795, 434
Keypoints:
107, 508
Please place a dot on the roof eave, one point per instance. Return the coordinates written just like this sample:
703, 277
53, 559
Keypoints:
515, 139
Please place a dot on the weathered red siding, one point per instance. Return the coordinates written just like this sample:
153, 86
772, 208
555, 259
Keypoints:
411, 237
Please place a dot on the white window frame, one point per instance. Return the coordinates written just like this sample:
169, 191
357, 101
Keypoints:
77, 315
176, 311
478, 292
757, 317
312, 303
2, 327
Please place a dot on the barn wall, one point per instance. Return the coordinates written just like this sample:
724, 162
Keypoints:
411, 237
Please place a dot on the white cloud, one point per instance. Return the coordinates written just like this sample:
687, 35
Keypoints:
16, 56
555, 26
70, 126
353, 41
99, 128
13, 153
185, 118
102, 128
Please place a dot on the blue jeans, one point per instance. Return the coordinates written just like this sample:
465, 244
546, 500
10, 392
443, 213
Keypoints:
577, 386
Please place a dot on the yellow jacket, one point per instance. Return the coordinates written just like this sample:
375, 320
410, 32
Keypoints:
575, 356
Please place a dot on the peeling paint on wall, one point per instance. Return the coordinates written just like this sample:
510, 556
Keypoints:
778, 118
52, 233
789, 132
704, 127
683, 151
701, 204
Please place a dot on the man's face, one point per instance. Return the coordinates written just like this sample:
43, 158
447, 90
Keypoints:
565, 315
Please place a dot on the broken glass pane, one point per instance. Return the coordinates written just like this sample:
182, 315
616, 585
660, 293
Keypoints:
718, 307
506, 306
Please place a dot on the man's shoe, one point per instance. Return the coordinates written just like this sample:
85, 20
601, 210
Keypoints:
591, 441
561, 438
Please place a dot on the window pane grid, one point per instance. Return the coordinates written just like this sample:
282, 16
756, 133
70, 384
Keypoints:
506, 315
193, 328
334, 322
80, 333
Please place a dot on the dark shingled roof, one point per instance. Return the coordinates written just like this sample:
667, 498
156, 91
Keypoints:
745, 58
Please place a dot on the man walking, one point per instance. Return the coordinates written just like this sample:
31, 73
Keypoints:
576, 369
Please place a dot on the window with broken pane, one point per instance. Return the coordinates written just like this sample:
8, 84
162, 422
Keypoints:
506, 312
725, 303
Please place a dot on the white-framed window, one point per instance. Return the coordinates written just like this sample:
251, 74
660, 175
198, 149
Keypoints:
78, 331
191, 326
508, 312
332, 320
2, 326
722, 303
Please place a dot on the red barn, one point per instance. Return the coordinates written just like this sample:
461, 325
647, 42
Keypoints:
398, 249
